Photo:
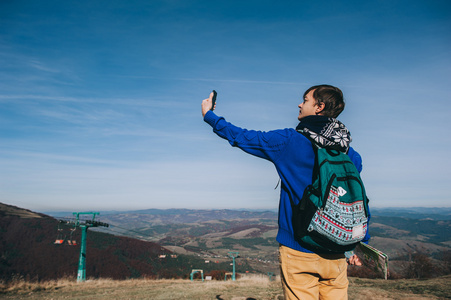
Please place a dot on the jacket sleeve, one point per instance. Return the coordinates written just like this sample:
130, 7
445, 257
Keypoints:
265, 145
357, 160
367, 237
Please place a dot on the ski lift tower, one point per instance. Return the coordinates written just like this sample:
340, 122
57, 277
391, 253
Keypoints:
233, 255
84, 225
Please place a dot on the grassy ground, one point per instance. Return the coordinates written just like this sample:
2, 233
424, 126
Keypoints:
255, 287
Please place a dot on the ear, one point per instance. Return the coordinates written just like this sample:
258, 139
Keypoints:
320, 108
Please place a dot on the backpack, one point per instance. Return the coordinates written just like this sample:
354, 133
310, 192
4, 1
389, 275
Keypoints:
332, 215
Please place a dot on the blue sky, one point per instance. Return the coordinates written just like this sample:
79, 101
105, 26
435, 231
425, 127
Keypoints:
100, 100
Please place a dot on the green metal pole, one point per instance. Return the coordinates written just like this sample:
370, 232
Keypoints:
233, 275
81, 276
233, 255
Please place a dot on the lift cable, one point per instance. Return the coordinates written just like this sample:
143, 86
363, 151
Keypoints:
132, 233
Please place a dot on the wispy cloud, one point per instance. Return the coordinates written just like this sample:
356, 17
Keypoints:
39, 65
152, 102
215, 80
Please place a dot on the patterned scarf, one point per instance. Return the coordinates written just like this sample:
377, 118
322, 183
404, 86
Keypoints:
325, 132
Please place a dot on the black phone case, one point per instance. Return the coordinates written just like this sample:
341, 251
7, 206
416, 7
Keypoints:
213, 100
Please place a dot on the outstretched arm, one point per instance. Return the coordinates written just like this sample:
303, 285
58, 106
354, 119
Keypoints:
266, 145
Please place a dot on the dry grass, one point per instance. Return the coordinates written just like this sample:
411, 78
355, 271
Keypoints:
437, 288
246, 288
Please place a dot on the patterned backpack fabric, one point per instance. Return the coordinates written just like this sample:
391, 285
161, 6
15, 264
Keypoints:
332, 215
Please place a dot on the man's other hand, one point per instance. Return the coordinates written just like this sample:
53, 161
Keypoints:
354, 260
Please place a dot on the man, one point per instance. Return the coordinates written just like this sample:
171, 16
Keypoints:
305, 274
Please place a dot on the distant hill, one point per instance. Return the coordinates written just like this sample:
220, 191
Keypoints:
208, 235
433, 213
212, 233
27, 250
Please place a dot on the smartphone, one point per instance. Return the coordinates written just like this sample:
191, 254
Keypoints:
213, 100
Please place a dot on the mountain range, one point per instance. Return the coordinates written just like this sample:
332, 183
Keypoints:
170, 243
398, 232
28, 250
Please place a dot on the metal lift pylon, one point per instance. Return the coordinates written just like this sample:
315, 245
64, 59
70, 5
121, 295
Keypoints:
81, 274
233, 255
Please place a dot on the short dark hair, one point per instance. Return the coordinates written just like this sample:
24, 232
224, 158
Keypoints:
331, 96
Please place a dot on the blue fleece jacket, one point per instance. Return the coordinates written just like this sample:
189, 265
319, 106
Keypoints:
292, 155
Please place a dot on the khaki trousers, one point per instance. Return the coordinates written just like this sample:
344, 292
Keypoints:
311, 276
